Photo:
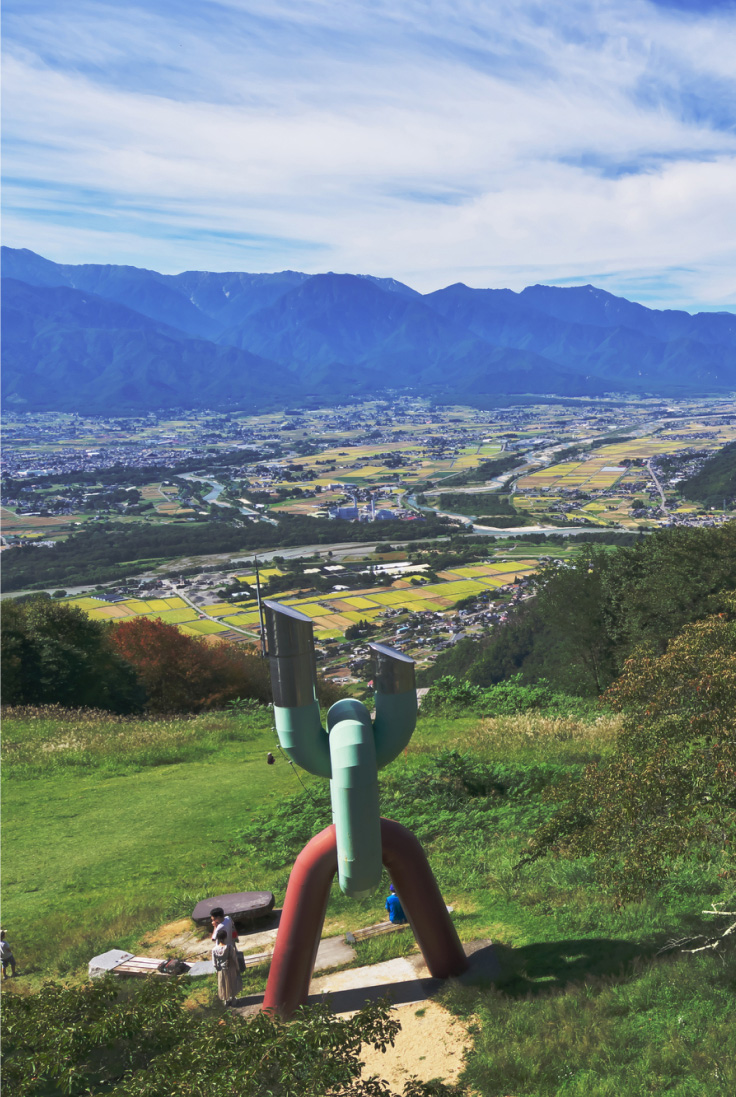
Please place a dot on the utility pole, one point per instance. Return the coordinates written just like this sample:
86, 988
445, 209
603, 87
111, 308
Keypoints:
260, 609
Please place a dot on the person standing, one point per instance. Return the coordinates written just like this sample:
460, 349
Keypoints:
6, 955
224, 921
225, 960
395, 910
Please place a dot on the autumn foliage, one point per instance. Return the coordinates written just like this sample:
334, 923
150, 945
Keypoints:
185, 673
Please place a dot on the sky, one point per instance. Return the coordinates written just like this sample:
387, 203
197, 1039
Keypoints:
491, 142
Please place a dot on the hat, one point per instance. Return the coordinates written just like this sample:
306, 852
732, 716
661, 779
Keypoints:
391, 887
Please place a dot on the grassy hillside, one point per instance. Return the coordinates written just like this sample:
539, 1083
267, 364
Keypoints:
112, 827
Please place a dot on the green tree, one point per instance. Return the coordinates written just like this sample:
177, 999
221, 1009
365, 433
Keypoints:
591, 613
55, 654
671, 784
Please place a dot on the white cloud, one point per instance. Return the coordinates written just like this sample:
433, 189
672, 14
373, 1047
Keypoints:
433, 142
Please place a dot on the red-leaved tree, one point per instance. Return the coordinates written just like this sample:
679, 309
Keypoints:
185, 673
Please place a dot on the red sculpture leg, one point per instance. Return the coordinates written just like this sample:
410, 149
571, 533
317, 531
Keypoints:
301, 922
305, 903
422, 901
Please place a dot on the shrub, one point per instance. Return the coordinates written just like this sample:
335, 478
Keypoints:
142, 1041
670, 786
450, 694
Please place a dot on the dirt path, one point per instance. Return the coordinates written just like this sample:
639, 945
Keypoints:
431, 1044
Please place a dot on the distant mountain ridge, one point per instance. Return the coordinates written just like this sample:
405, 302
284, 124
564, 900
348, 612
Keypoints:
104, 338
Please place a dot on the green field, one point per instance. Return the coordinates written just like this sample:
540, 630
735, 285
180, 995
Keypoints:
112, 828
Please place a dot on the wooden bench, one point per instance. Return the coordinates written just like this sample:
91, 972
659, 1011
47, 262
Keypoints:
375, 931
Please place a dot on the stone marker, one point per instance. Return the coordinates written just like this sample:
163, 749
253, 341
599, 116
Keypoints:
242, 906
108, 961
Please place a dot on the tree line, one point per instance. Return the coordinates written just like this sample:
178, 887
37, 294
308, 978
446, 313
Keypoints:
111, 550
54, 653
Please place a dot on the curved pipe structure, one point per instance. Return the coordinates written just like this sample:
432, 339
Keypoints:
396, 702
354, 793
353, 749
306, 901
290, 644
422, 901
302, 917
350, 752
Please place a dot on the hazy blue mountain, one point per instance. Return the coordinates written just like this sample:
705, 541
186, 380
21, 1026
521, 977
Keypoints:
590, 305
145, 291
228, 298
28, 267
697, 351
186, 339
341, 319
70, 350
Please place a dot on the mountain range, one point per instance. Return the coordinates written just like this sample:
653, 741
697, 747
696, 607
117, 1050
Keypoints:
119, 339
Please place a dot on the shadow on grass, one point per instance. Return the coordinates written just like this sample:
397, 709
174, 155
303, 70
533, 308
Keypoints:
554, 965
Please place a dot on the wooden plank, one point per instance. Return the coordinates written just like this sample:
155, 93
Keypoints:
139, 965
374, 931
257, 958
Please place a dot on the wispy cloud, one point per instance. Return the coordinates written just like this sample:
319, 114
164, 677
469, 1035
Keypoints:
443, 140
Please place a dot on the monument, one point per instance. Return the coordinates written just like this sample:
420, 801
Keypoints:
349, 753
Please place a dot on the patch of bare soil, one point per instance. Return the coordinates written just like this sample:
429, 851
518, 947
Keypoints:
432, 1044
179, 938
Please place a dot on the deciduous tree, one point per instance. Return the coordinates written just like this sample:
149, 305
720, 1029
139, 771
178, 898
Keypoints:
187, 674
671, 784
55, 654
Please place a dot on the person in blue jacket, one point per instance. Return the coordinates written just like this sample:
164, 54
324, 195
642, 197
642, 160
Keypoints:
394, 907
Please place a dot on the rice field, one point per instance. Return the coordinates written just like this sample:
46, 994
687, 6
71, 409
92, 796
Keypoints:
203, 628
331, 614
606, 466
172, 611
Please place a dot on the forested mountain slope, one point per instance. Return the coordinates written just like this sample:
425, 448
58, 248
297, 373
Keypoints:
180, 339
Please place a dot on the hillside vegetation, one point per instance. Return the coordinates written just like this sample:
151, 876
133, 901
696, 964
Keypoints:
475, 790
587, 839
591, 613
716, 480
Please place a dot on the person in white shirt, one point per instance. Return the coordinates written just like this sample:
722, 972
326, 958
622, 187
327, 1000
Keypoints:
220, 919
6, 954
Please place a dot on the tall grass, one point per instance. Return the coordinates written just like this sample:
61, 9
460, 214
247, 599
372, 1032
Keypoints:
40, 740
663, 1027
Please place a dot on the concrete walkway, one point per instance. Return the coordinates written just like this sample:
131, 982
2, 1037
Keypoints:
406, 980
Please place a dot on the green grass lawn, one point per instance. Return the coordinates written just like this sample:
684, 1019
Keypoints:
126, 826
113, 827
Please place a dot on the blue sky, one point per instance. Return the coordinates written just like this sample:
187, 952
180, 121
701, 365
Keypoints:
492, 142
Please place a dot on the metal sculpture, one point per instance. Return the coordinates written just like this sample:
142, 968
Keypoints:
349, 752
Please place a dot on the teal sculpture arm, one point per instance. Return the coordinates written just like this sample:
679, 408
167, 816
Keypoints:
290, 644
395, 689
352, 749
